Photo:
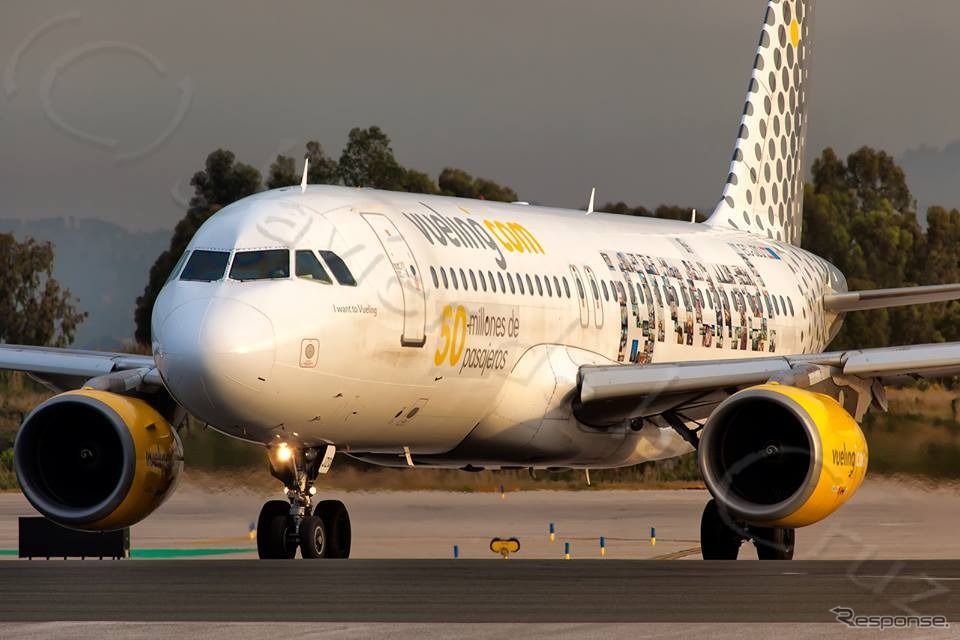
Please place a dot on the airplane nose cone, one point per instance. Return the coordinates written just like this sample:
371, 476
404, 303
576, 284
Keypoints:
216, 357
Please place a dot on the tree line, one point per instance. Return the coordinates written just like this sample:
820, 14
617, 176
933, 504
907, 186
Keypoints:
858, 213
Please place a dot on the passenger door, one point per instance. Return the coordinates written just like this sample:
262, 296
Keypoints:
408, 274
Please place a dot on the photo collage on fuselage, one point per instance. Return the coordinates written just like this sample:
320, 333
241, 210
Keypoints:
691, 303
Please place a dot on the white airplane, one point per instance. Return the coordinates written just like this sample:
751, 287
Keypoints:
415, 330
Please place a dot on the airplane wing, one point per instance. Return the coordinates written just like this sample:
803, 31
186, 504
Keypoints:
63, 369
616, 392
884, 298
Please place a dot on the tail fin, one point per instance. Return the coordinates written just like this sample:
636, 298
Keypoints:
764, 190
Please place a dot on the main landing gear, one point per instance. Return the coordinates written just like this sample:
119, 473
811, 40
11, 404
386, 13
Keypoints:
284, 526
721, 537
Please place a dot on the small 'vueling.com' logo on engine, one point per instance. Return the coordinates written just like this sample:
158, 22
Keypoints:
844, 458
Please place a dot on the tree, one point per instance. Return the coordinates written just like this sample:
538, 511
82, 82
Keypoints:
874, 177
622, 208
221, 182
368, 161
418, 182
34, 308
460, 184
285, 171
859, 216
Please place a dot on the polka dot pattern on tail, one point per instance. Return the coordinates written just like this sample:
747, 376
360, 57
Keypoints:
773, 130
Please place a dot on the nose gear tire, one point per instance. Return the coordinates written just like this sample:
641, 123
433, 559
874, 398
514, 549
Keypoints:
313, 538
274, 541
336, 522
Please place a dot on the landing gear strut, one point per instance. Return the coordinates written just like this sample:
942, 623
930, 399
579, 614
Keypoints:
283, 527
721, 536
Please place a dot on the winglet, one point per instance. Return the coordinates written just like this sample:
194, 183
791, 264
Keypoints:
303, 180
593, 192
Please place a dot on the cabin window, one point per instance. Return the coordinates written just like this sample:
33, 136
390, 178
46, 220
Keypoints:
790, 301
539, 285
463, 279
270, 264
556, 285
339, 268
503, 287
593, 286
546, 282
453, 278
433, 274
473, 280
483, 281
566, 287
519, 279
493, 281
580, 289
510, 282
205, 266
309, 268
783, 305
776, 307
529, 284
443, 275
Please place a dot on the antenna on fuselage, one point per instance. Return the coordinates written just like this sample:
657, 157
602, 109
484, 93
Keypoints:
593, 192
693, 216
303, 180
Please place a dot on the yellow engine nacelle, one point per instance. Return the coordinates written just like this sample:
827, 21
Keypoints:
780, 456
96, 460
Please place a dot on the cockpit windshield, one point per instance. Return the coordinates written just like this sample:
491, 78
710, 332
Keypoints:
270, 264
176, 269
205, 266
340, 270
309, 268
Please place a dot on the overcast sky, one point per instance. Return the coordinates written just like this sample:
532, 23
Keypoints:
108, 107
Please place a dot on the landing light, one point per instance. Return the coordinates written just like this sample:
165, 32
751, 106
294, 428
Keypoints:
284, 452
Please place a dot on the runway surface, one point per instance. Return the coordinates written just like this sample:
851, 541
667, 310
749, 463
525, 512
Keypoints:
464, 591
884, 520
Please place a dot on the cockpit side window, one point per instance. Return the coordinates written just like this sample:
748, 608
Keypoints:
205, 266
309, 268
339, 268
270, 264
176, 269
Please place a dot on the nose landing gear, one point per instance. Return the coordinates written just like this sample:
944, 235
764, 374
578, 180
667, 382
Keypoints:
321, 532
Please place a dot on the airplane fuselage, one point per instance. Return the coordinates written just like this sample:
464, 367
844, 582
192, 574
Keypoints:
438, 347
